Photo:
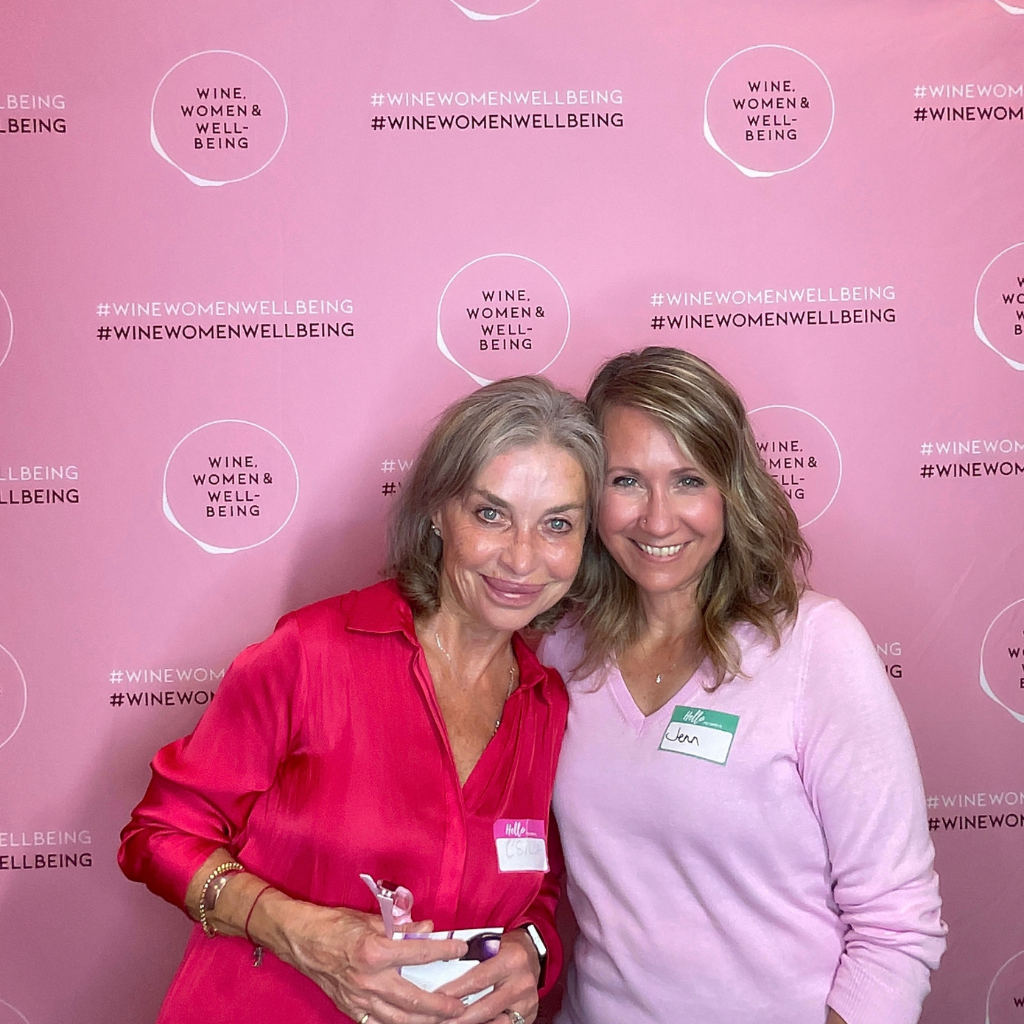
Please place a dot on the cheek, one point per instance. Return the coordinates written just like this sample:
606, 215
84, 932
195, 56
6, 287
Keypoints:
564, 560
615, 513
468, 548
712, 518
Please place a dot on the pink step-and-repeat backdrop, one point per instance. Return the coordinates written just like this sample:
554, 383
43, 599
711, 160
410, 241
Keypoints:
250, 249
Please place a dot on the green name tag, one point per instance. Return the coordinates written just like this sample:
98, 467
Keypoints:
698, 732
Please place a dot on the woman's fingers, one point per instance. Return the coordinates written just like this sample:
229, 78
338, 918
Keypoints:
417, 928
405, 951
406, 1004
514, 978
346, 953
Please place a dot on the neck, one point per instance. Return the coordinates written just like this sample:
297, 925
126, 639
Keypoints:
670, 618
471, 647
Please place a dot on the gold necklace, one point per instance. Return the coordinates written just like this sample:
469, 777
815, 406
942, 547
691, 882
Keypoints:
511, 677
661, 675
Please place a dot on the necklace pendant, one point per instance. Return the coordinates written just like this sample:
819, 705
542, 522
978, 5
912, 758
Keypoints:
657, 679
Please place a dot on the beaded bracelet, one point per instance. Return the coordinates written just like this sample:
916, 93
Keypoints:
231, 865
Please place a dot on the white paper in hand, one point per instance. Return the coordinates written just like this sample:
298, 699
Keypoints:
483, 944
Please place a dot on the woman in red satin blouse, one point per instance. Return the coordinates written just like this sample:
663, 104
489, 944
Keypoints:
403, 732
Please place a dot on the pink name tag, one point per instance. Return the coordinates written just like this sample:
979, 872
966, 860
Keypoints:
522, 844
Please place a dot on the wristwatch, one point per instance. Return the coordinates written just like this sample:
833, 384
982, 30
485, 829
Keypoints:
533, 934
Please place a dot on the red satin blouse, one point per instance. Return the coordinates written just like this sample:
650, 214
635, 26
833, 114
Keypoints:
323, 755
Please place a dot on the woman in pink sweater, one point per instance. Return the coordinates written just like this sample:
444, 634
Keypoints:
738, 796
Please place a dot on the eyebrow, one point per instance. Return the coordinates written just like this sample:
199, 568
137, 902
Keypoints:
691, 467
493, 499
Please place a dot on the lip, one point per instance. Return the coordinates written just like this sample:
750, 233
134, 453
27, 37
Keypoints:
512, 593
651, 551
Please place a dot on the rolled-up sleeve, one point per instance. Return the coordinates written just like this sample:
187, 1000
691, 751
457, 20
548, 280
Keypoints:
860, 772
205, 785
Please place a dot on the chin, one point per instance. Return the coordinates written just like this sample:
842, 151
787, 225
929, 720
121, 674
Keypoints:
512, 619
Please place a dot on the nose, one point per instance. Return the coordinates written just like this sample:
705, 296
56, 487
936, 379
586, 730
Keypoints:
520, 553
658, 520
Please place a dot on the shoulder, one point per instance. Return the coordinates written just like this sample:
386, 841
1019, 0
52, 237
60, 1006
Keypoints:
378, 608
327, 623
824, 634
826, 624
546, 679
836, 661
563, 649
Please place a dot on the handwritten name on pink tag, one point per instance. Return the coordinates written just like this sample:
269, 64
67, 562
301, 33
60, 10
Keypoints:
521, 844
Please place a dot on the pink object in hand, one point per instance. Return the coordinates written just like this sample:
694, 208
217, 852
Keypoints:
395, 902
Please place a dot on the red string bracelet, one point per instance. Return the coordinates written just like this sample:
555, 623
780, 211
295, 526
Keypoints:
257, 950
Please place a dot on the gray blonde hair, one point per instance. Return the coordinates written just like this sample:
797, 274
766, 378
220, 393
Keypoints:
518, 412
759, 571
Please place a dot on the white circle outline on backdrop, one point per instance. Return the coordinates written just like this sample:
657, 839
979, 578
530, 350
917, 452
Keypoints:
446, 352
21, 718
749, 171
155, 141
13, 1009
477, 16
978, 329
995, 977
10, 335
987, 687
212, 548
796, 408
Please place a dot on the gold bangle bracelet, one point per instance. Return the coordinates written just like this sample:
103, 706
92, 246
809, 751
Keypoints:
231, 865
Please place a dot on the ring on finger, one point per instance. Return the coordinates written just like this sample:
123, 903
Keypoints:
513, 1015
365, 1017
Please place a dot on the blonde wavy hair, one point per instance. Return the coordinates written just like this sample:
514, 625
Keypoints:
517, 412
759, 571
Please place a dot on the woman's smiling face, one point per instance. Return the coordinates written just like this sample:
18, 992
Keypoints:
661, 518
513, 542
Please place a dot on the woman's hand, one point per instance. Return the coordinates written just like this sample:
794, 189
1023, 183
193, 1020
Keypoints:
345, 952
348, 955
513, 972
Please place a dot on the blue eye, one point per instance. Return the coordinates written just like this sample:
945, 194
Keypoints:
489, 515
560, 525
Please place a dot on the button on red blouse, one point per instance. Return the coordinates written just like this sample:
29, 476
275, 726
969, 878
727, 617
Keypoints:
323, 755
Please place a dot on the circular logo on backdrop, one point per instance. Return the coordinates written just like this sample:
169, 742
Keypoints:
802, 454
502, 315
218, 116
13, 697
6, 328
768, 109
230, 485
493, 10
9, 1015
1002, 659
999, 305
1006, 992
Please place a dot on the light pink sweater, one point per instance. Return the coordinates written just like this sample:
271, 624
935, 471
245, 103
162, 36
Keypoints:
795, 876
